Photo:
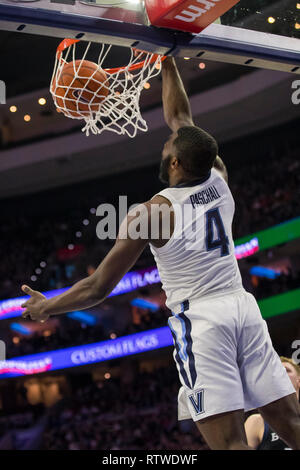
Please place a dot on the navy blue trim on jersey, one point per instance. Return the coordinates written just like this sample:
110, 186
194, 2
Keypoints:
265, 436
185, 306
266, 431
188, 347
179, 360
190, 184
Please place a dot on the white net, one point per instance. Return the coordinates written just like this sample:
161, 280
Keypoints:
106, 99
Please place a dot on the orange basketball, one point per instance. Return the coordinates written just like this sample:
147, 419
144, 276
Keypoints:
80, 88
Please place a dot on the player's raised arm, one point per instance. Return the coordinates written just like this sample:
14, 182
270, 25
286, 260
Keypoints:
176, 104
177, 109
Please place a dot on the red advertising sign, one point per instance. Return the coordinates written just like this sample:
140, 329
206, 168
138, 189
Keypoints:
186, 15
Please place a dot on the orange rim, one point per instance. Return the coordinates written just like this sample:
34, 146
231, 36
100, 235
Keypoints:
69, 42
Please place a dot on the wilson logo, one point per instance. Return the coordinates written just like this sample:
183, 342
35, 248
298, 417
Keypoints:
193, 12
2, 92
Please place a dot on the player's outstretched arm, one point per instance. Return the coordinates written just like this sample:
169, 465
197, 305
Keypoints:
177, 109
94, 289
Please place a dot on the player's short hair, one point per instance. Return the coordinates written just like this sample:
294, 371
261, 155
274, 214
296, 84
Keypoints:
290, 361
196, 150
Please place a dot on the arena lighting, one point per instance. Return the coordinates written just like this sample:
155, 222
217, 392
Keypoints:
13, 109
261, 271
131, 281
246, 249
18, 328
271, 20
42, 101
271, 237
87, 354
142, 303
147, 86
27, 118
274, 236
83, 317
124, 346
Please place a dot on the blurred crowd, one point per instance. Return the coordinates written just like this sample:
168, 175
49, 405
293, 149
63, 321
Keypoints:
110, 417
264, 288
106, 415
266, 193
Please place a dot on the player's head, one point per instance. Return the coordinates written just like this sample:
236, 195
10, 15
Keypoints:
189, 153
293, 371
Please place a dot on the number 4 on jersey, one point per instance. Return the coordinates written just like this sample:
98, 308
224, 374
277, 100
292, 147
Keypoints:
213, 217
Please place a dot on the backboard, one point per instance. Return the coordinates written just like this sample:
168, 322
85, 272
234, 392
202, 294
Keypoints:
257, 33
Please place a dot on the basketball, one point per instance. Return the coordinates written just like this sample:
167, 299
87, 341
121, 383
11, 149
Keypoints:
80, 88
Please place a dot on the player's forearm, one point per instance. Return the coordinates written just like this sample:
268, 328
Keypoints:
82, 295
175, 100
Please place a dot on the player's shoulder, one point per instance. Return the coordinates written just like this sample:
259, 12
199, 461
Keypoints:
160, 200
157, 205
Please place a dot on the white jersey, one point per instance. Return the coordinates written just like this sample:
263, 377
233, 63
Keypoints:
199, 258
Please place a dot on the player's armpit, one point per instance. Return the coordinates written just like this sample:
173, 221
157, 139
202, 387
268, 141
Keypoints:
220, 166
180, 121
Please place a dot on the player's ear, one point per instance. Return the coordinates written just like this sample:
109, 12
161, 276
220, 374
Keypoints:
175, 162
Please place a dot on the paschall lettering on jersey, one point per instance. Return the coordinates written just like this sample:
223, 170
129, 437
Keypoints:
204, 197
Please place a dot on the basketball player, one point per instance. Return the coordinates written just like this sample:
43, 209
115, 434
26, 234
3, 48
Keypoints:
223, 350
259, 434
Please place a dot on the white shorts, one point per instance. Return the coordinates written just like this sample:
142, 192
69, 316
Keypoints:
225, 357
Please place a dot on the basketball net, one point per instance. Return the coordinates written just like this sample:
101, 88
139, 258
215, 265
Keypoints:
117, 112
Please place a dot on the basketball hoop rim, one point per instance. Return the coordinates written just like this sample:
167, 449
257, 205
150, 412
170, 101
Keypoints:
67, 42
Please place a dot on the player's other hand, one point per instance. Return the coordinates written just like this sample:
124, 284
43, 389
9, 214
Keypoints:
139, 53
35, 305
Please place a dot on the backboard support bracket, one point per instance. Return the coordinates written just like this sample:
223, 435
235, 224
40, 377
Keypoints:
217, 42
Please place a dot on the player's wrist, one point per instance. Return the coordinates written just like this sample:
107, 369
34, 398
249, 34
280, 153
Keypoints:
168, 62
46, 307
